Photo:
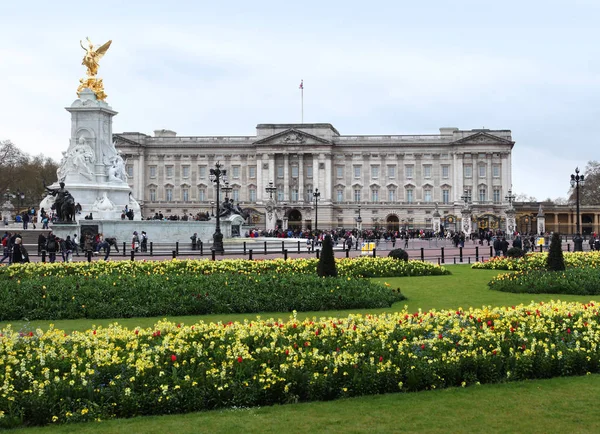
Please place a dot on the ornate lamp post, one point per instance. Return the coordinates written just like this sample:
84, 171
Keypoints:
359, 220
511, 222
316, 195
21, 197
466, 213
270, 207
226, 189
576, 181
217, 175
270, 189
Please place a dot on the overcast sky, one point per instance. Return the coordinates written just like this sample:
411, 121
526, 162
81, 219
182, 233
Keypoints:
396, 67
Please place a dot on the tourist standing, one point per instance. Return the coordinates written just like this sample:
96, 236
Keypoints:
51, 247
144, 244
194, 239
75, 246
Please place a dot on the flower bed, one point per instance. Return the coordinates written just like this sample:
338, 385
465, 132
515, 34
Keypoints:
576, 281
151, 294
348, 267
537, 261
115, 372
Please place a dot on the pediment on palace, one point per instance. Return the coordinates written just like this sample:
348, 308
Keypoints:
292, 136
482, 138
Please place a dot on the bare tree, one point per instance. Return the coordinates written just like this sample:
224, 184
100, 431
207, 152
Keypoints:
590, 193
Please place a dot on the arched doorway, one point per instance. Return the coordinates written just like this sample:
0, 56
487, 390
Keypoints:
294, 219
393, 223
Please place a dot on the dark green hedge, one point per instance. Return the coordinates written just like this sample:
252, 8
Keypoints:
106, 296
576, 281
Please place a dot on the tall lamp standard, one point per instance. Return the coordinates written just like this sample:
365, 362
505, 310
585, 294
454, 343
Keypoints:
576, 181
217, 175
21, 197
316, 195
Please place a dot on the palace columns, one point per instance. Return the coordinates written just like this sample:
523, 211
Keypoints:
286, 177
300, 177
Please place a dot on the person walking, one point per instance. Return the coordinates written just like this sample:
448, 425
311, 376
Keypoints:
6, 248
17, 253
51, 247
75, 242
144, 243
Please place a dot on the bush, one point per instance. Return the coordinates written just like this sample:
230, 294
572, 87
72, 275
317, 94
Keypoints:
107, 296
326, 266
398, 254
515, 252
574, 281
537, 261
555, 260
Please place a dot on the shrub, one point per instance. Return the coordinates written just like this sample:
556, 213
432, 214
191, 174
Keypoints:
555, 260
398, 254
107, 296
515, 252
537, 261
326, 266
575, 281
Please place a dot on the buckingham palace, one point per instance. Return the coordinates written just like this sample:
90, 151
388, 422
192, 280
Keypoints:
387, 181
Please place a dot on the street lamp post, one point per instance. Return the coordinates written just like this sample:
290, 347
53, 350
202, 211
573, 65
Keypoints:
359, 219
217, 175
270, 189
576, 181
316, 195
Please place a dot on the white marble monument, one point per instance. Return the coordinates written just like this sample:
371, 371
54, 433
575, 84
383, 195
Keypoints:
91, 168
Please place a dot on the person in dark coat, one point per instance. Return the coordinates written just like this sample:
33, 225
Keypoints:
51, 247
41, 243
504, 246
17, 253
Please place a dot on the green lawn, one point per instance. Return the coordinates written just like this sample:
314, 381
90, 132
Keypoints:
561, 404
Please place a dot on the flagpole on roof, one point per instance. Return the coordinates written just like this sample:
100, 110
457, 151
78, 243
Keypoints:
302, 101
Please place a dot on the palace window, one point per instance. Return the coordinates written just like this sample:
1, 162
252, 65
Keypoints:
152, 171
235, 194
445, 196
408, 170
374, 172
391, 172
202, 172
427, 171
202, 194
340, 195
169, 194
445, 171
392, 195
252, 172
185, 171
496, 195
427, 195
468, 171
482, 170
496, 170
235, 172
280, 193
294, 171
339, 170
185, 193
152, 195
309, 171
482, 195
130, 171
169, 171
294, 195
357, 195
357, 172
409, 195
374, 195
309, 193
280, 171
252, 194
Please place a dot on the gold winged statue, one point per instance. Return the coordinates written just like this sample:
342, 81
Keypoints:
90, 61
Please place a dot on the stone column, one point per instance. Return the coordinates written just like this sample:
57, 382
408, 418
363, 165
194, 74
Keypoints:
328, 177
541, 222
286, 177
300, 177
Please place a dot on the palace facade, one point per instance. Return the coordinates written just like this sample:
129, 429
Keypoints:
391, 181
